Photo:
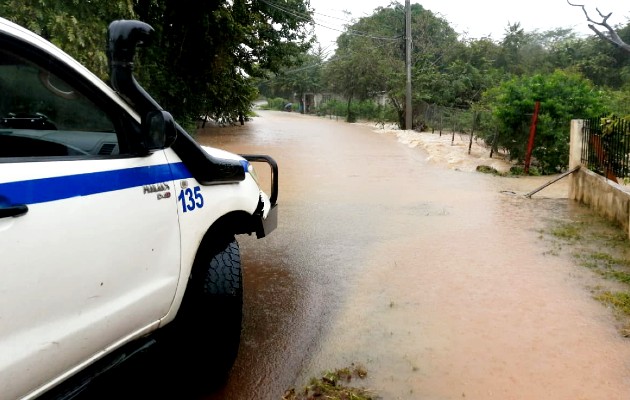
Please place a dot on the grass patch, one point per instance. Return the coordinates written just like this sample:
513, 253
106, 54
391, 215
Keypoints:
514, 171
607, 260
619, 301
602, 247
615, 239
618, 276
607, 266
334, 385
567, 232
485, 169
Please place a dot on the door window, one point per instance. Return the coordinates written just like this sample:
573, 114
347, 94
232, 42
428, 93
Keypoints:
41, 115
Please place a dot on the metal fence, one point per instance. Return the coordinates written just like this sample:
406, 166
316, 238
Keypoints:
606, 146
439, 118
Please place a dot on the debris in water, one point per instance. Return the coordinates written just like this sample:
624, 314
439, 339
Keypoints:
334, 385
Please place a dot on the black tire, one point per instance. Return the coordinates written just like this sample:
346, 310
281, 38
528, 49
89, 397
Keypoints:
204, 339
223, 293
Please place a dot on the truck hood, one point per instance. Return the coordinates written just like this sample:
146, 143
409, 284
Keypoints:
218, 153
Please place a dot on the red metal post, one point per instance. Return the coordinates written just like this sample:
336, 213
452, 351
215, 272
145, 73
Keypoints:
532, 135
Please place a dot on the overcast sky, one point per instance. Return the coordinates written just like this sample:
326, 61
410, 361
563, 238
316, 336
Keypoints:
477, 18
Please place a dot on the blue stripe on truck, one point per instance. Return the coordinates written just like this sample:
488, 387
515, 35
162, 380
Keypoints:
64, 187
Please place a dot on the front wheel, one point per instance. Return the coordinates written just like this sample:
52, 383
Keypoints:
222, 295
206, 333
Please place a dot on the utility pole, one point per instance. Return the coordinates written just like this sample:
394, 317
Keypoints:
408, 111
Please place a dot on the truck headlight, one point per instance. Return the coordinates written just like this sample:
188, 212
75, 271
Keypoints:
249, 168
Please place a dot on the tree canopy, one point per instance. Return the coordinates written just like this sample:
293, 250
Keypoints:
76, 26
370, 58
207, 53
204, 55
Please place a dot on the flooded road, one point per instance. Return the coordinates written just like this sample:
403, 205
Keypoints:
433, 279
438, 281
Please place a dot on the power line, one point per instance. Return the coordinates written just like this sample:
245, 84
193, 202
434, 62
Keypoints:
337, 58
305, 17
330, 16
361, 34
308, 18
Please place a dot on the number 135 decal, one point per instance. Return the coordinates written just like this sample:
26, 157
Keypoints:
190, 198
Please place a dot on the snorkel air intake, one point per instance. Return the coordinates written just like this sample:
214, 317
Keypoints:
123, 37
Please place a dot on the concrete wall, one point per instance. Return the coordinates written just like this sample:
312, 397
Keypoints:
604, 196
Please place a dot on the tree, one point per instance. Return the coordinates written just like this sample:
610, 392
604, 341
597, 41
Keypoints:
563, 96
78, 27
604, 65
363, 59
466, 74
525, 53
353, 70
370, 56
304, 77
510, 58
610, 34
216, 49
204, 55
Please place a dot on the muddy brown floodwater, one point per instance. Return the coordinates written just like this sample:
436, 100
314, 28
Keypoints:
436, 280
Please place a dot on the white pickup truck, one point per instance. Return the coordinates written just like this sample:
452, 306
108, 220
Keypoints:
117, 229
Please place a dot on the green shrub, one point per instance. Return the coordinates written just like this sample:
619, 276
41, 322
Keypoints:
562, 96
277, 103
359, 110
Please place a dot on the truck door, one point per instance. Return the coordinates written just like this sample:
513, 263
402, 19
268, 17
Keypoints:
89, 236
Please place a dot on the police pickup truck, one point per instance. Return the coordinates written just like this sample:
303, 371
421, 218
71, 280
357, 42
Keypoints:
117, 229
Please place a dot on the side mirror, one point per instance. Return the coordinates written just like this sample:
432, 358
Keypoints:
158, 130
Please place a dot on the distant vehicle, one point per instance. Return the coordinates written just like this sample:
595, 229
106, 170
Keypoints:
117, 229
288, 107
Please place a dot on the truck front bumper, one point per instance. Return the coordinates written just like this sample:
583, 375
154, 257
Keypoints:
270, 222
